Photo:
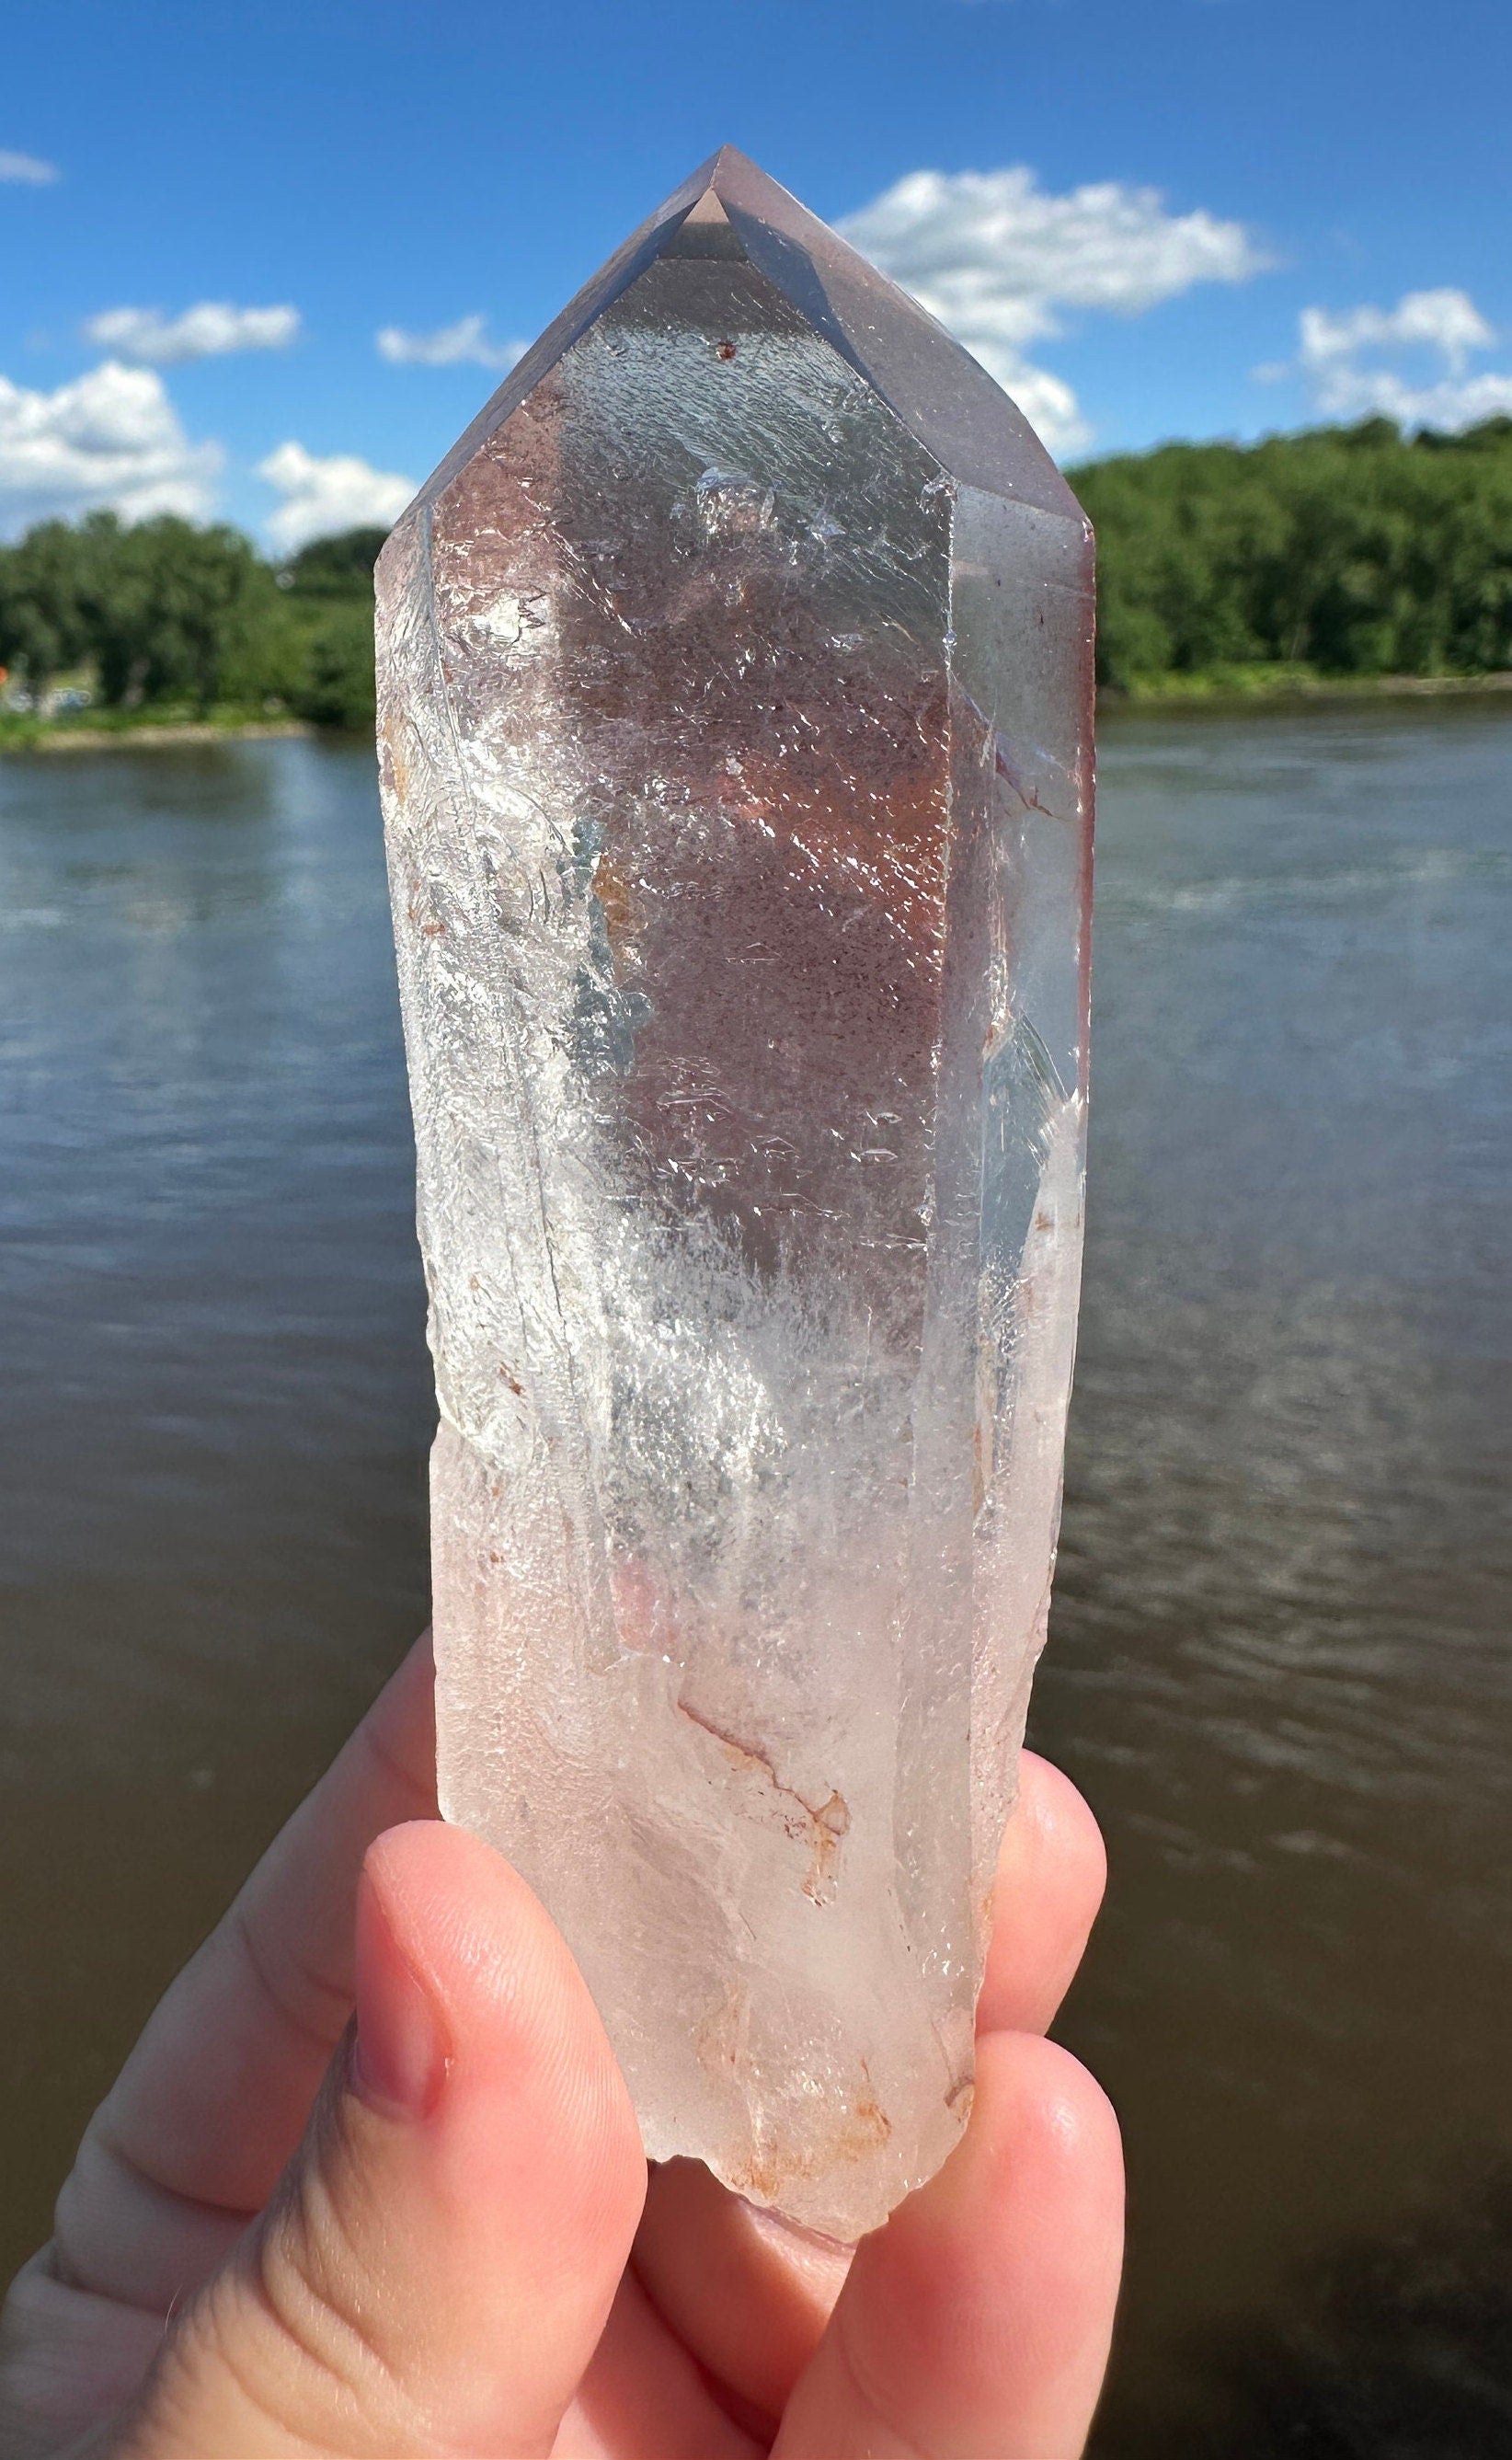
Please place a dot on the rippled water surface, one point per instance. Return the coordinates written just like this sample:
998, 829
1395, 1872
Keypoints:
1279, 1665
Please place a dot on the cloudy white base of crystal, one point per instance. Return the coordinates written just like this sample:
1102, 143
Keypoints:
735, 683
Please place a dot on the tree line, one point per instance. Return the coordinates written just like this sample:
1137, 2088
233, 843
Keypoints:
1341, 552
169, 618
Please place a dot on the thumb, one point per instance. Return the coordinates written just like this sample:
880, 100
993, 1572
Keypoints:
435, 2268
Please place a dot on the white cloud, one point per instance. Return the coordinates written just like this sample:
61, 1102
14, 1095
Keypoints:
1445, 321
111, 437
997, 259
465, 343
325, 494
26, 169
1410, 362
206, 331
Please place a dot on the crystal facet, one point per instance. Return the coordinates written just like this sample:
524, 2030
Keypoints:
735, 676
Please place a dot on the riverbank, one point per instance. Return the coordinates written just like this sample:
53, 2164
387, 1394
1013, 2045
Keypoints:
1227, 692
1230, 689
20, 733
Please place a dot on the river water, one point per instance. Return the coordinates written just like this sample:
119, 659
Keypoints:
1278, 1663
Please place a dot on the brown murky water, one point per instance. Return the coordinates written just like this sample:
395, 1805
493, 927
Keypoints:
1278, 1662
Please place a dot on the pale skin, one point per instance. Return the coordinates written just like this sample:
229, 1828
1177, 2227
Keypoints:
427, 2229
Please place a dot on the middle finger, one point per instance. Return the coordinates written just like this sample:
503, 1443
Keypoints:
749, 2297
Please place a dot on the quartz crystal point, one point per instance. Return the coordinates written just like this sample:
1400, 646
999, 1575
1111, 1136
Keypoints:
736, 688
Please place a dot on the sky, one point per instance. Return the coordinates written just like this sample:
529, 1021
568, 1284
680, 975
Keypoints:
262, 262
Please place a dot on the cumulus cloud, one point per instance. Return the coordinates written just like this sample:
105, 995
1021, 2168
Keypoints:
206, 331
465, 343
111, 437
27, 170
998, 260
323, 493
1411, 361
1446, 321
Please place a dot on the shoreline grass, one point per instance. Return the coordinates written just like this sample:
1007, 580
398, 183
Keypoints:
1270, 687
104, 730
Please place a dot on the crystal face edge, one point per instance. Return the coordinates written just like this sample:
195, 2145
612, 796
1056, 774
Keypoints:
786, 1962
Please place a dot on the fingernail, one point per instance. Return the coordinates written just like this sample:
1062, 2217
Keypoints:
399, 2062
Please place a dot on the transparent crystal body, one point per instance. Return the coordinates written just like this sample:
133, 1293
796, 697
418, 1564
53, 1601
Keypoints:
735, 735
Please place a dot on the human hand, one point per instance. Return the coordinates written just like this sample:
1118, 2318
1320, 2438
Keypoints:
431, 2233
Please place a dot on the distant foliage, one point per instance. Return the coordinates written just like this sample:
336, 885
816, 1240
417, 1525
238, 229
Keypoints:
168, 618
1347, 551
335, 567
338, 685
44, 600
160, 610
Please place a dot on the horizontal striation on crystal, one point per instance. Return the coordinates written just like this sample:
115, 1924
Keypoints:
735, 736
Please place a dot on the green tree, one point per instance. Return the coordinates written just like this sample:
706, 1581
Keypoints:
169, 614
43, 622
171, 606
1352, 551
336, 568
338, 688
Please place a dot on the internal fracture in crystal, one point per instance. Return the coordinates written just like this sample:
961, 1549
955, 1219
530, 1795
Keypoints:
736, 681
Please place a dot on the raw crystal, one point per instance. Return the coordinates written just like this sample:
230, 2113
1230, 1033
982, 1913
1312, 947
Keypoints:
736, 756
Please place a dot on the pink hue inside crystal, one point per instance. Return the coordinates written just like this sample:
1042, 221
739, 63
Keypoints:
736, 753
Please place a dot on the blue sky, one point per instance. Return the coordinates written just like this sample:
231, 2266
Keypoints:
1127, 207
